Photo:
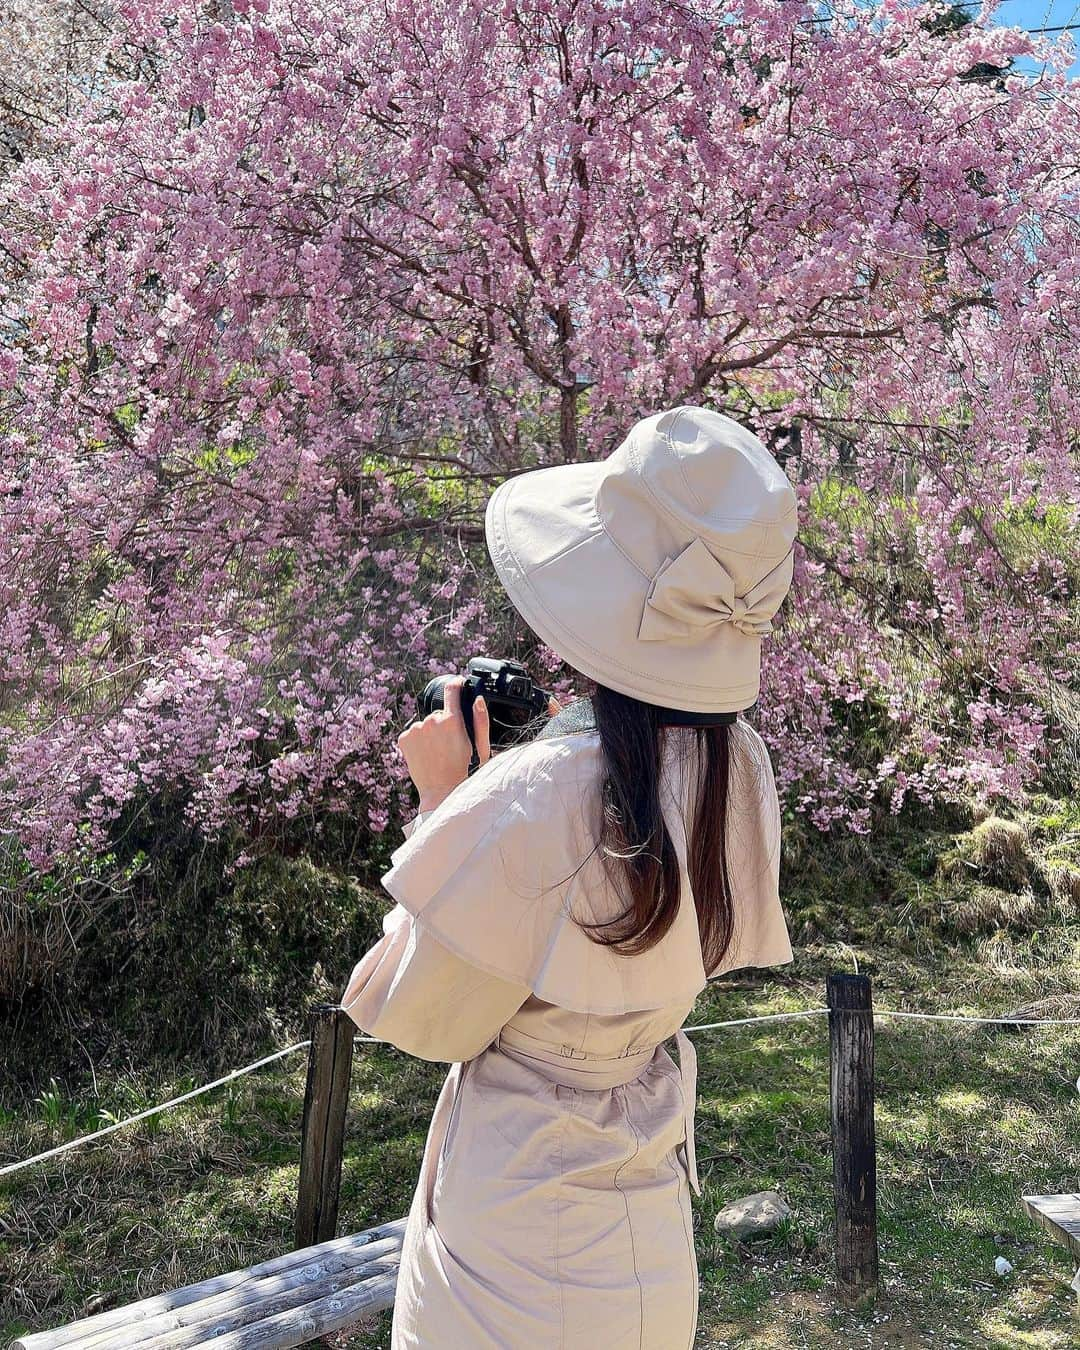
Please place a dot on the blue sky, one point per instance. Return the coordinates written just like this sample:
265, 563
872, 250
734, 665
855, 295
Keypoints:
1029, 14
1040, 14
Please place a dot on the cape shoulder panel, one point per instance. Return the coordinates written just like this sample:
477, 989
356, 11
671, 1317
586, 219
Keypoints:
501, 870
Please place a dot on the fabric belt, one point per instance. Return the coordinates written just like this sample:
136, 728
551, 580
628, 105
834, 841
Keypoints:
573, 1069
688, 1079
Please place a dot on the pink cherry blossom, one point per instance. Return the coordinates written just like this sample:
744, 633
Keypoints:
287, 289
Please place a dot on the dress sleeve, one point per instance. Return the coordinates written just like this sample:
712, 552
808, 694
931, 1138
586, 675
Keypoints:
411, 991
429, 996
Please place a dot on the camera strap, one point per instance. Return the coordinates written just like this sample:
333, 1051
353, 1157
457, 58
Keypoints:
576, 716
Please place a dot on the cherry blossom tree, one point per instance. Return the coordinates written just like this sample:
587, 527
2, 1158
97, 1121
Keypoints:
50, 61
299, 284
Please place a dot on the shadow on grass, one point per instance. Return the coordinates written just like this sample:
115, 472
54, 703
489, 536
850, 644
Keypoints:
967, 1121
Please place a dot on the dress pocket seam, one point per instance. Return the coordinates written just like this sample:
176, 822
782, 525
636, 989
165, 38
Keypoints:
443, 1154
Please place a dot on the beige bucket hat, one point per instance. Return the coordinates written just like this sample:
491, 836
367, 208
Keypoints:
656, 571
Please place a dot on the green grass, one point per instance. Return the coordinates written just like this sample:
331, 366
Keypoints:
968, 1119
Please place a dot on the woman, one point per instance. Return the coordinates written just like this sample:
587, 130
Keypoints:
559, 910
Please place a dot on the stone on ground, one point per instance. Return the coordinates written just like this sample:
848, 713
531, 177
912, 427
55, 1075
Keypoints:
752, 1215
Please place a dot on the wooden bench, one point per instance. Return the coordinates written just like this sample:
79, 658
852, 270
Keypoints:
325, 1284
286, 1301
1059, 1215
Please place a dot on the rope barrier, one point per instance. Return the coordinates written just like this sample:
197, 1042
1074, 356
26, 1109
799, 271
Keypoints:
153, 1110
165, 1106
897, 1012
765, 1017
965, 1017
374, 1040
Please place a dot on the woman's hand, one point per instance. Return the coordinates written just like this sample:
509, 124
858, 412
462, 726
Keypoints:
437, 749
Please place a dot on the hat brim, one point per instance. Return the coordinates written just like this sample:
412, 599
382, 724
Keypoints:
583, 596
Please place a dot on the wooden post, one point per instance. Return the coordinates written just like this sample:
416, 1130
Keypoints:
851, 1094
326, 1098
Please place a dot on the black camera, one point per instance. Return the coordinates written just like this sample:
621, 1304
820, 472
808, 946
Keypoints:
512, 698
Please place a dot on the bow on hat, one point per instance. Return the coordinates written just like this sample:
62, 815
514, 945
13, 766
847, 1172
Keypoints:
694, 591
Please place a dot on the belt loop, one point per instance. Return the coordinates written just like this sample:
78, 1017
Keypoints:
688, 1080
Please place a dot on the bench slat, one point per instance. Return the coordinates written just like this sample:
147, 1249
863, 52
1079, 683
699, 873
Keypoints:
1059, 1215
278, 1308
248, 1302
90, 1331
300, 1325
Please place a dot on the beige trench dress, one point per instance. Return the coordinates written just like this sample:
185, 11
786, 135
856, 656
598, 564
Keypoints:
553, 1205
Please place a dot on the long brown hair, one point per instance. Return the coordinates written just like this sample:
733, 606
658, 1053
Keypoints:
634, 842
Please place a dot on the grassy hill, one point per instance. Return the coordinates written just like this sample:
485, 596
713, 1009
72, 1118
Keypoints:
946, 913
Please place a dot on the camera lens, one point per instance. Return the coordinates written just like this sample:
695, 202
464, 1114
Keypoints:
433, 695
